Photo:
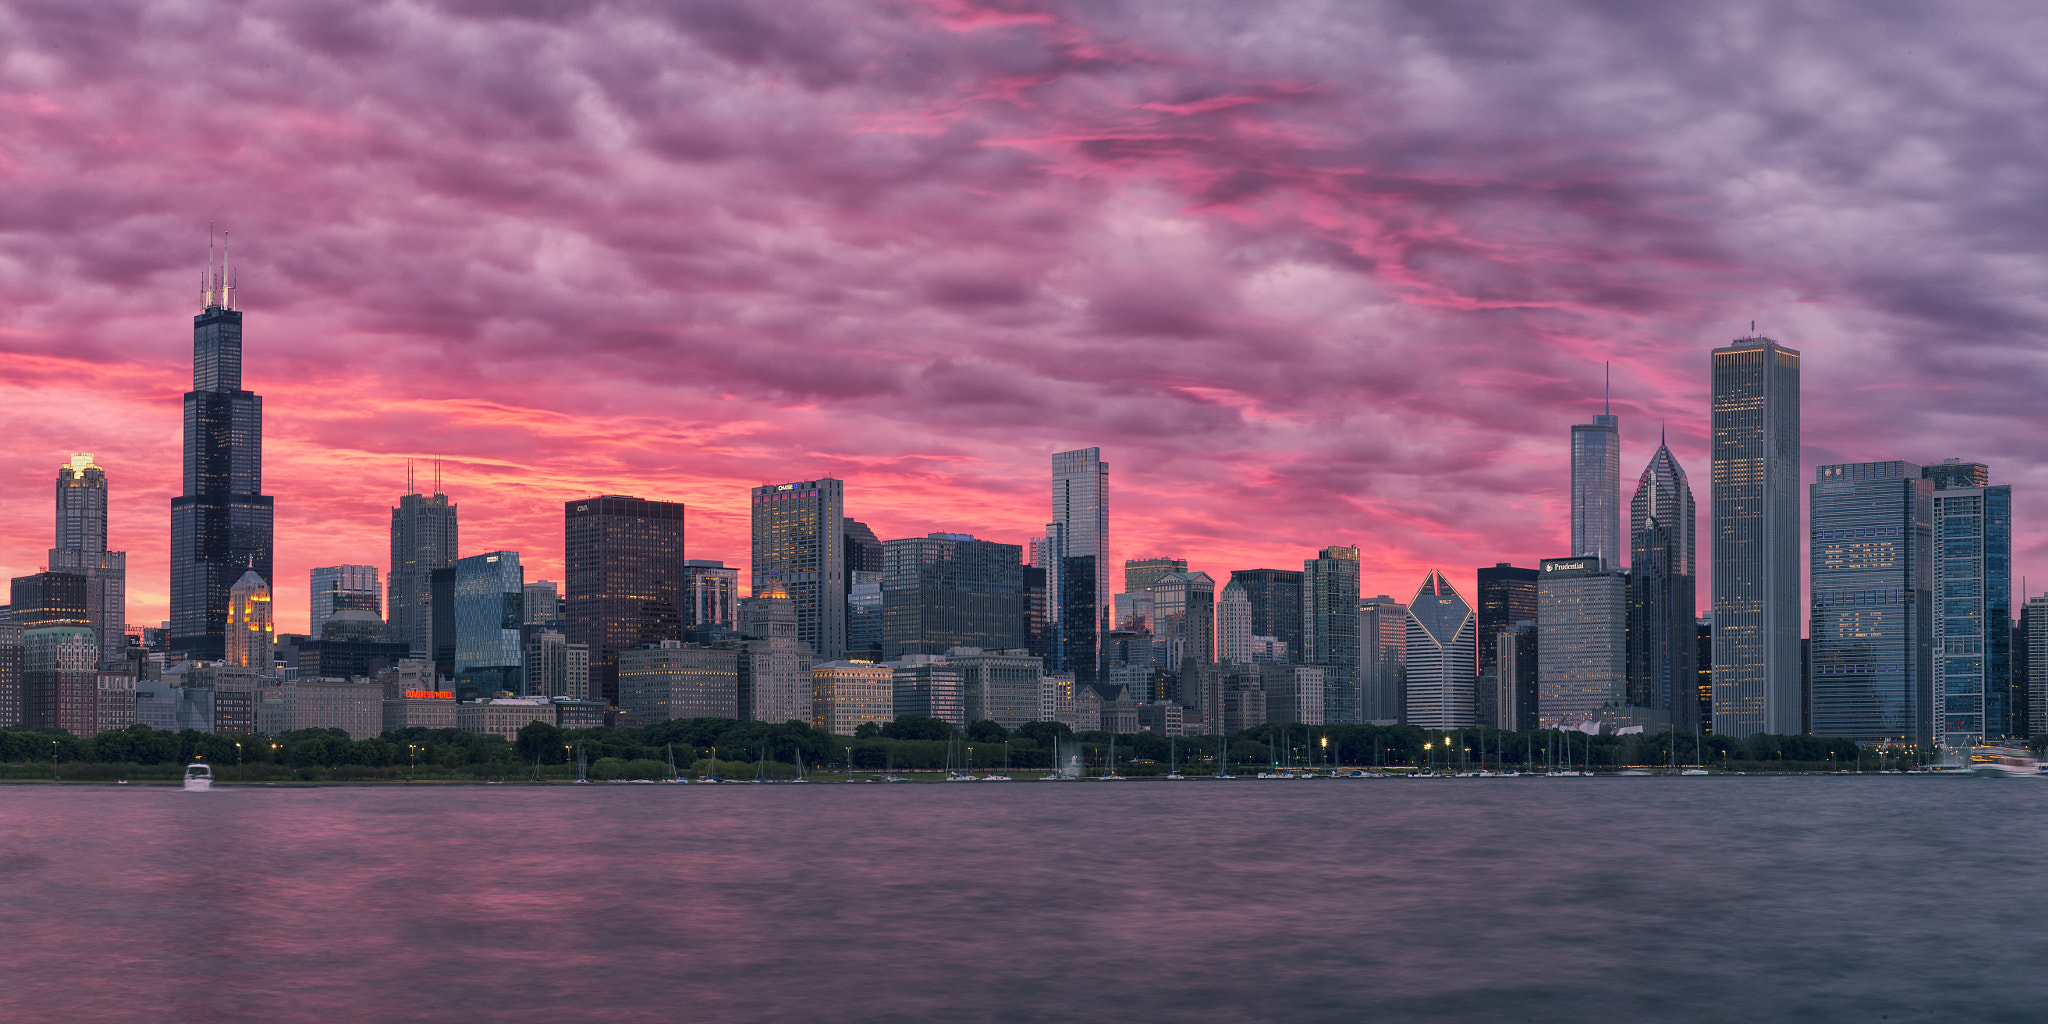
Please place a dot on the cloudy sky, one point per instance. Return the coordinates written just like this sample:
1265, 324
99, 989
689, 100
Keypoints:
1308, 273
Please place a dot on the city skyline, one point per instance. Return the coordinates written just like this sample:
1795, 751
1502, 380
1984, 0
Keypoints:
1076, 260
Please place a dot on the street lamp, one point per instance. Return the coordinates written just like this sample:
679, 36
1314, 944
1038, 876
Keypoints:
239, 776
1428, 757
54, 777
849, 763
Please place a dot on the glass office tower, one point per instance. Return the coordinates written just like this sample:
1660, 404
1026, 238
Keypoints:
1871, 631
625, 579
81, 549
949, 590
1440, 668
1596, 488
1974, 698
338, 588
1329, 628
424, 538
1663, 636
489, 605
1275, 596
1077, 550
800, 544
1581, 639
1756, 534
221, 521
1507, 595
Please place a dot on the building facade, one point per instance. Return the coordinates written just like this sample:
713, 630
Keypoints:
1382, 660
711, 595
1234, 624
81, 549
1871, 655
624, 578
1276, 605
775, 663
1756, 535
424, 539
1517, 697
677, 680
336, 588
1581, 639
950, 590
221, 522
1662, 593
1440, 652
251, 634
1974, 696
1077, 562
489, 606
926, 686
1329, 627
848, 694
800, 546
997, 686
1596, 488
1184, 618
1507, 595
554, 667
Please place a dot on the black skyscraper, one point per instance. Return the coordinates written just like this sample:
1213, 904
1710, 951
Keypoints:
625, 579
221, 523
1507, 595
1275, 595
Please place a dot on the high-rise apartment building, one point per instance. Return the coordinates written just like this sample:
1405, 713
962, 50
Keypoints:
1581, 639
2035, 620
1662, 593
251, 631
11, 681
1440, 651
81, 549
1507, 595
1596, 488
848, 694
1756, 534
541, 605
554, 667
1517, 695
997, 686
338, 588
948, 590
799, 534
423, 539
1234, 625
1329, 628
221, 520
60, 678
1382, 660
1077, 544
489, 606
1275, 596
624, 576
1974, 694
1872, 578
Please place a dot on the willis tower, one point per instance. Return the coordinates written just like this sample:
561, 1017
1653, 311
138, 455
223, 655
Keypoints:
221, 523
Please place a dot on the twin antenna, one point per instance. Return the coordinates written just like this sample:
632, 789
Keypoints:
216, 285
413, 488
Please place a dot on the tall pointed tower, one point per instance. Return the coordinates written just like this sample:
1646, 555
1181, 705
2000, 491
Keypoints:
221, 521
1663, 639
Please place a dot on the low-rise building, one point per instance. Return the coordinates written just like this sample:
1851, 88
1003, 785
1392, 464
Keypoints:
999, 686
673, 679
1294, 693
1163, 718
353, 706
429, 709
925, 686
503, 716
116, 700
845, 694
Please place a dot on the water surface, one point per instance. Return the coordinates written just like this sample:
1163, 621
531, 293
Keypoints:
1678, 899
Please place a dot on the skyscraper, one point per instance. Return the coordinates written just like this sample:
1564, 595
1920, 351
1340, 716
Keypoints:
337, 588
949, 590
1507, 595
711, 595
624, 577
1382, 660
221, 521
1974, 697
1756, 538
1142, 573
1596, 488
1440, 667
1663, 640
1078, 545
251, 632
2035, 619
489, 606
423, 539
1234, 625
81, 549
1275, 596
800, 545
1872, 627
1329, 628
1581, 639
1184, 617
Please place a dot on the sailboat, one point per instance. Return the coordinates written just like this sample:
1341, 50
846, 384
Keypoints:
1005, 776
1223, 758
889, 766
673, 775
1111, 775
954, 774
713, 777
582, 768
1172, 761
799, 754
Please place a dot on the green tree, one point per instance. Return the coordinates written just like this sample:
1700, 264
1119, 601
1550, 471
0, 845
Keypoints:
986, 731
915, 727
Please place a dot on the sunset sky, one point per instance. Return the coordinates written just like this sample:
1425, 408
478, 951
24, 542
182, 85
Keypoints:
1308, 273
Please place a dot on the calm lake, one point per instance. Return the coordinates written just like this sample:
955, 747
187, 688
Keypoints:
1901, 898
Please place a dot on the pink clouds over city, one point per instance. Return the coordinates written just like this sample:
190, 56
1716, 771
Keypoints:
1308, 273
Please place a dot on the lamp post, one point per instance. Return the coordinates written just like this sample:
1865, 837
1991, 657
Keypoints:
1326, 750
239, 776
54, 777
849, 763
1428, 758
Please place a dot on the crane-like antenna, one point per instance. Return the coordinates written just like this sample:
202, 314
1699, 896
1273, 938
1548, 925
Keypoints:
410, 486
437, 474
1607, 400
226, 301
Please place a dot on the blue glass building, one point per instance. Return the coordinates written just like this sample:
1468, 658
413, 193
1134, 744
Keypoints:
1973, 684
488, 605
1872, 574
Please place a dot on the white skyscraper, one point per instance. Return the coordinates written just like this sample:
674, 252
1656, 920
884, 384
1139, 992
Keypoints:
1234, 625
1441, 657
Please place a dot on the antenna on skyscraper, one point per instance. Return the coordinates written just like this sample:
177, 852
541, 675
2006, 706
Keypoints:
206, 279
437, 474
410, 486
1607, 400
226, 300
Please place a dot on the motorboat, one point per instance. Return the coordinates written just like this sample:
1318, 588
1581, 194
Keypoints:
960, 777
198, 777
1695, 771
992, 777
2003, 763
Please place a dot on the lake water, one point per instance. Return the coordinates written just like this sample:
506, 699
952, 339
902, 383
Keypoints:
1900, 898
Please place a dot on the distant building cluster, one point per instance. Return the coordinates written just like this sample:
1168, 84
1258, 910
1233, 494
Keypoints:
1911, 629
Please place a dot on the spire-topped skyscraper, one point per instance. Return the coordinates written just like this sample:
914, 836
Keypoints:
221, 522
1596, 487
1663, 639
81, 550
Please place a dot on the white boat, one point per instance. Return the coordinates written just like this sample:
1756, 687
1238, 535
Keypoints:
1111, 777
198, 777
2003, 763
992, 777
960, 777
1695, 771
1176, 776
